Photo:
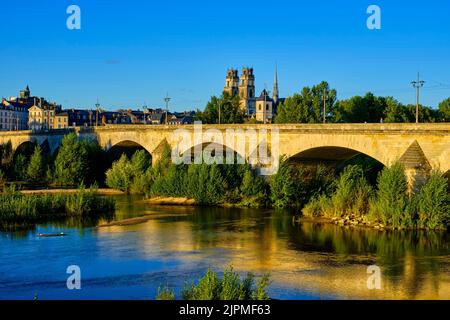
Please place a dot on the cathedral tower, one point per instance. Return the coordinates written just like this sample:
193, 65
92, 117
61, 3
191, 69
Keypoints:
232, 83
247, 90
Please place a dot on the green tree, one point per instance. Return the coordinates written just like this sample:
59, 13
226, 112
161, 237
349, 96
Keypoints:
307, 106
120, 175
359, 109
230, 110
396, 112
444, 110
283, 186
19, 167
71, 163
36, 170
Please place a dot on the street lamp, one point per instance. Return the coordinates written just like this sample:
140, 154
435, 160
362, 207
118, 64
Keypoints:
166, 100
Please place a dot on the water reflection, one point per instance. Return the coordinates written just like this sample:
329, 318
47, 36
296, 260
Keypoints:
305, 259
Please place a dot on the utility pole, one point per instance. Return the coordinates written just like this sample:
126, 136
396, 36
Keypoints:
166, 100
418, 85
324, 105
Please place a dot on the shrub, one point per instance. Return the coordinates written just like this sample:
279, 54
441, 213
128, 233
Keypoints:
230, 287
391, 199
351, 196
282, 186
165, 293
433, 203
131, 175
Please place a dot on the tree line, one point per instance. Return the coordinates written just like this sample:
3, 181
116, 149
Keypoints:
307, 106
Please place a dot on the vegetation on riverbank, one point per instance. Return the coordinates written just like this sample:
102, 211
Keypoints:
21, 211
353, 190
230, 287
74, 162
389, 204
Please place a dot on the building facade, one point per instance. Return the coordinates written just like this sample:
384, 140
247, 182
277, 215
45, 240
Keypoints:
244, 87
47, 117
264, 108
13, 116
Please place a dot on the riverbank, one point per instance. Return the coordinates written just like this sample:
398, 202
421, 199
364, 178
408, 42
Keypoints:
100, 191
171, 201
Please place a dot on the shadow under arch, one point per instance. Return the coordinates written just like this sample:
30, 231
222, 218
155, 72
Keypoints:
447, 175
338, 158
127, 147
26, 149
211, 147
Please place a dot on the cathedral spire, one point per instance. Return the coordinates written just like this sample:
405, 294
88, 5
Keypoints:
275, 86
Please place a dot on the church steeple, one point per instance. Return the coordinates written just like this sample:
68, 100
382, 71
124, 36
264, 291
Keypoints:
275, 86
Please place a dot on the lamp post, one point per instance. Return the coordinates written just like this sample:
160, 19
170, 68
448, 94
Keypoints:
166, 100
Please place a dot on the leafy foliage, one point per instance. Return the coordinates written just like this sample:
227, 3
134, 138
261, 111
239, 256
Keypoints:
230, 110
36, 167
230, 287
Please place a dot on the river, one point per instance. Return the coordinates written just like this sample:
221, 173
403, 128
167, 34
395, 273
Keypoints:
177, 244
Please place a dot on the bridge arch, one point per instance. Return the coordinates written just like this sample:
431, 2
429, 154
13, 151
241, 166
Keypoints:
210, 148
330, 154
127, 147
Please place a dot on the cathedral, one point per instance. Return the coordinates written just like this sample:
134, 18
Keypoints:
262, 108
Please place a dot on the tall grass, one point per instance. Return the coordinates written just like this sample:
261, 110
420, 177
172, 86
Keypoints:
229, 287
17, 209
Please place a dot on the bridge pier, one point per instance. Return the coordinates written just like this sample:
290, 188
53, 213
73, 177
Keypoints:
416, 178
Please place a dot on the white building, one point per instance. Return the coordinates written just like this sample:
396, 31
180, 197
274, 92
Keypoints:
13, 116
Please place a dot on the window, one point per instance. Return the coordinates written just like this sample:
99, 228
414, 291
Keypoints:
267, 106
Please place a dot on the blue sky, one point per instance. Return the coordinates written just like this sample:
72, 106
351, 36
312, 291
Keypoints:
131, 52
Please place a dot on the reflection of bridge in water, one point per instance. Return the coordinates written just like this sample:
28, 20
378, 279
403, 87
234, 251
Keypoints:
421, 148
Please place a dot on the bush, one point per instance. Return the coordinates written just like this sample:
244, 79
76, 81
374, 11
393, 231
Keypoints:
165, 293
351, 196
19, 167
391, 200
230, 287
433, 203
131, 175
282, 186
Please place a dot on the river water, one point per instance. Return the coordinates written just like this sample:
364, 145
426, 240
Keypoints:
177, 244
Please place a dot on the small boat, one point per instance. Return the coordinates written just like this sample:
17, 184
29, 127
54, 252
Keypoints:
48, 235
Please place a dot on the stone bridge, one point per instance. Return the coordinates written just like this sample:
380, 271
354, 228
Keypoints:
420, 147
